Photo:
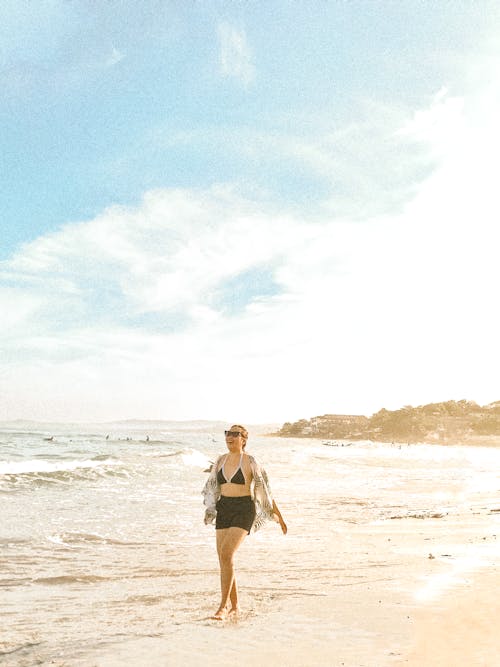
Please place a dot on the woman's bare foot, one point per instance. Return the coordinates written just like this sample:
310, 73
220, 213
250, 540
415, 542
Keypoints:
234, 610
219, 615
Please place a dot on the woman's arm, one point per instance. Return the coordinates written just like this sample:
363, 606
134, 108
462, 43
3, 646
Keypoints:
280, 518
211, 493
268, 510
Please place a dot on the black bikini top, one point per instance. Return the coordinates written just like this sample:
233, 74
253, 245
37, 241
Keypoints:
237, 478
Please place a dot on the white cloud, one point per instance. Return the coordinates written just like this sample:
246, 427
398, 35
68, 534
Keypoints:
168, 254
367, 167
235, 56
439, 125
115, 57
119, 316
166, 258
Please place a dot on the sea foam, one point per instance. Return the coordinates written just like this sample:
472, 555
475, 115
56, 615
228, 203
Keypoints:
40, 466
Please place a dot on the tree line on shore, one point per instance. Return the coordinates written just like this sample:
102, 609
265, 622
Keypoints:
457, 421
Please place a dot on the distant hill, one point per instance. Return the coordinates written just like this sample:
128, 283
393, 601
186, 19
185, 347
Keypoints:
451, 421
132, 426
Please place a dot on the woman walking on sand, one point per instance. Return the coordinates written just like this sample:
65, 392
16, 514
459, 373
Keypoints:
237, 511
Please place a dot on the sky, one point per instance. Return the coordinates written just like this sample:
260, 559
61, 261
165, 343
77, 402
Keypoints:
247, 211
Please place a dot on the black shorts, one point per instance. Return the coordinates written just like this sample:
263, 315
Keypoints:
236, 512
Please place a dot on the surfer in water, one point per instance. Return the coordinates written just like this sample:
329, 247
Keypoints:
238, 497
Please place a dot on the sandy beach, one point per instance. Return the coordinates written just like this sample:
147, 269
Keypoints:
402, 608
279, 219
392, 559
461, 629
414, 610
405, 608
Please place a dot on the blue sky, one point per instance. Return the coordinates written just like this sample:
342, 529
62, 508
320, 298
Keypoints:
300, 190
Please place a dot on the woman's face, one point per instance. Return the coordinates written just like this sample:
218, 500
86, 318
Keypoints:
234, 439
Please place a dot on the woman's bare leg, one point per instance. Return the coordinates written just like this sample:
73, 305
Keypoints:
220, 536
233, 594
228, 541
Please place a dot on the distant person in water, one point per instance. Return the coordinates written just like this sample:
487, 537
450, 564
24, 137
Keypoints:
237, 495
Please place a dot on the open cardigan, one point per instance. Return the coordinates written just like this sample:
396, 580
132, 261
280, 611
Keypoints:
261, 493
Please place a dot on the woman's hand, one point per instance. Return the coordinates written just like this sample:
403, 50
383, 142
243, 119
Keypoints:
209, 516
280, 518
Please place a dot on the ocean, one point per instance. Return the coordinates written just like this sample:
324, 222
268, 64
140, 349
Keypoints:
103, 545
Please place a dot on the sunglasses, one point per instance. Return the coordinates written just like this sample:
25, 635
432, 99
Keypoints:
232, 434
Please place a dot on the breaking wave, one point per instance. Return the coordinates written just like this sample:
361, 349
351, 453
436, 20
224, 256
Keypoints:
41, 472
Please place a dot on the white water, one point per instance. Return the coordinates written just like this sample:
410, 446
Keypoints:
102, 540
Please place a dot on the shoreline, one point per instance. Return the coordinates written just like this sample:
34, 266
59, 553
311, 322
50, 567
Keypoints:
481, 441
384, 548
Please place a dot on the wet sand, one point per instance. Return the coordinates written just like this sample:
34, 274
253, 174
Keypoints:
422, 594
392, 559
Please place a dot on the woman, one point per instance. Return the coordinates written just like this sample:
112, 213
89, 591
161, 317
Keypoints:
229, 500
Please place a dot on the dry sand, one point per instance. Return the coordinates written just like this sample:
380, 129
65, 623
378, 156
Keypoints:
460, 630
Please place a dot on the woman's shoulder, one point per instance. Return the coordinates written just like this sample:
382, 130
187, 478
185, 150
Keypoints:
251, 459
218, 461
